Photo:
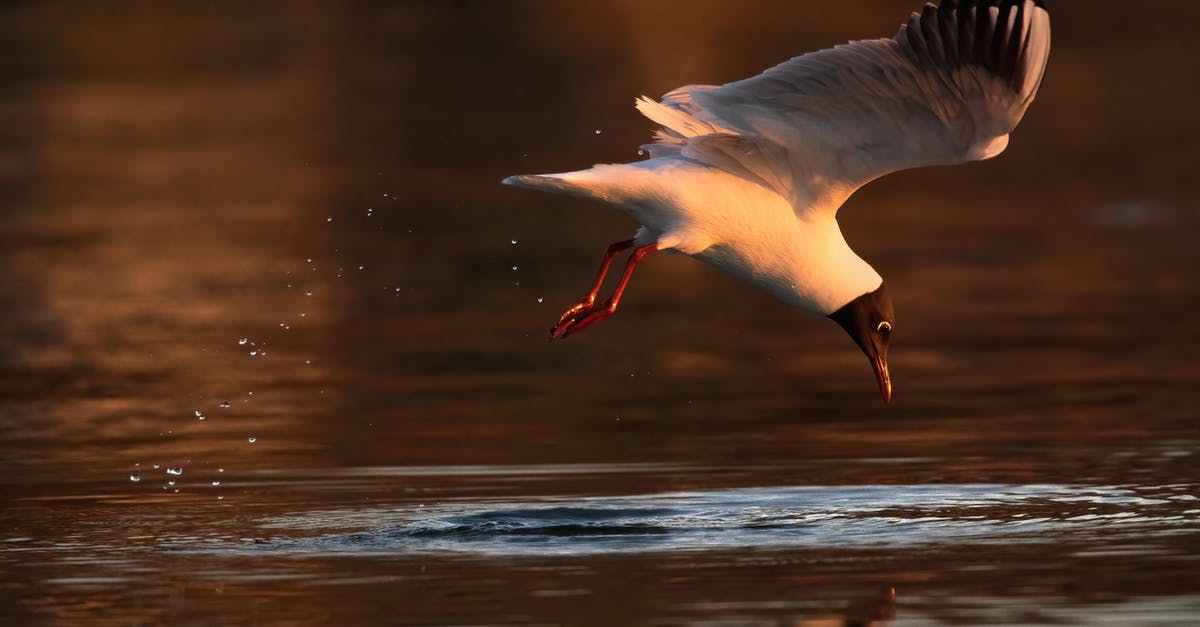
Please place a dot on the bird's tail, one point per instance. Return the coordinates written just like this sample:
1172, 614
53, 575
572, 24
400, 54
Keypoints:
589, 184
545, 182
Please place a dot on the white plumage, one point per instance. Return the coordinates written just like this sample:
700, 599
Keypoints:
749, 176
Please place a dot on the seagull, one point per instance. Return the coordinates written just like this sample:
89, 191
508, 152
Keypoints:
748, 176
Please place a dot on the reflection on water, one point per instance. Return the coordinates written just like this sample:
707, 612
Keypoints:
402, 446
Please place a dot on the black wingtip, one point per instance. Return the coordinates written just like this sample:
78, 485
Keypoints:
967, 4
963, 33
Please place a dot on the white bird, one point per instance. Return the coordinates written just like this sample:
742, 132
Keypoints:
748, 176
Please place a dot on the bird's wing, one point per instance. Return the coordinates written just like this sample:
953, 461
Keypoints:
948, 88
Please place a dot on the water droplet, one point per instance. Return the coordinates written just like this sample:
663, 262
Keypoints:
329, 219
242, 342
514, 242
303, 315
360, 267
216, 482
137, 464
253, 353
540, 299
641, 152
598, 131
220, 498
252, 439
156, 466
176, 490
307, 361
518, 284
309, 260
514, 268
174, 471
224, 404
135, 477
370, 211
199, 415
220, 470
170, 482
308, 292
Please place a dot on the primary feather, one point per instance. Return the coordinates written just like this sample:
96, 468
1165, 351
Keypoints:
947, 88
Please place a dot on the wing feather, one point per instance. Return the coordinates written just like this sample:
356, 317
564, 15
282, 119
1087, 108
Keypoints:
947, 88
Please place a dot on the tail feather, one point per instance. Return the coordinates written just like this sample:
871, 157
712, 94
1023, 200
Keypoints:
568, 183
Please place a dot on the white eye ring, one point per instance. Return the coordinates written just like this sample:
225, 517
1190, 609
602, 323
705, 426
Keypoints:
884, 326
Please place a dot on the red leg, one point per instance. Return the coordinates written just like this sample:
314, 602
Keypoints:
592, 314
586, 303
605, 264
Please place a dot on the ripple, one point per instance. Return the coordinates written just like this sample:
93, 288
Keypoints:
817, 516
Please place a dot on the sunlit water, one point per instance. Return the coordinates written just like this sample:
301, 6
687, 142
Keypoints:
272, 335
456, 544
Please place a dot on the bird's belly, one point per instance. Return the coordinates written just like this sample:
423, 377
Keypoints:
807, 265
744, 229
699, 207
777, 278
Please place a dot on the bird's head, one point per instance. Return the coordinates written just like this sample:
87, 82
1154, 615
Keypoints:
870, 320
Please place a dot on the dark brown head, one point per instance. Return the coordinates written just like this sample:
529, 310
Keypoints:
870, 320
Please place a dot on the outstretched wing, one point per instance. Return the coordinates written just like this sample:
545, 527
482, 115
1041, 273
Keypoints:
947, 89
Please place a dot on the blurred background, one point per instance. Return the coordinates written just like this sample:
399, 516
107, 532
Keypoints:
286, 217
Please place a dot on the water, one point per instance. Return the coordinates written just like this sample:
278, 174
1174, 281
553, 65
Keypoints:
820, 516
471, 544
405, 448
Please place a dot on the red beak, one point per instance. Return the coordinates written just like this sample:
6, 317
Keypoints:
881, 375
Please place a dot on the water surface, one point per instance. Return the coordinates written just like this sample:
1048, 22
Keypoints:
394, 442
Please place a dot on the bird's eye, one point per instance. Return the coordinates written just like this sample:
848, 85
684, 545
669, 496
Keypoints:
884, 327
